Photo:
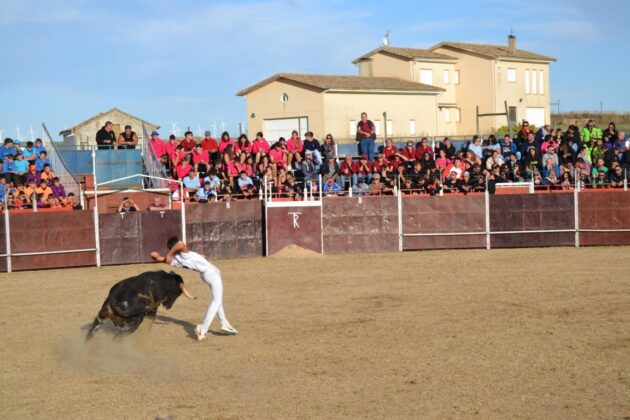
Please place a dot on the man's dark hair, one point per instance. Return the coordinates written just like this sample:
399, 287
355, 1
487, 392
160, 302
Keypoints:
187, 133
46, 165
29, 144
171, 242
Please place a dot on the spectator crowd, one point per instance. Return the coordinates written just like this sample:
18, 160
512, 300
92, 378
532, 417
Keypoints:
553, 159
28, 179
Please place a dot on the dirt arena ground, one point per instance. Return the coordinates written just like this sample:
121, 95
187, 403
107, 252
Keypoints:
534, 333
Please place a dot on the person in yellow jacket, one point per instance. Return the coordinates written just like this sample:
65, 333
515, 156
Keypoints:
590, 134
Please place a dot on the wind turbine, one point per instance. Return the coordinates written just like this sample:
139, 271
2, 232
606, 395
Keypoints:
174, 129
386, 39
1, 131
223, 125
32, 133
18, 134
213, 127
199, 132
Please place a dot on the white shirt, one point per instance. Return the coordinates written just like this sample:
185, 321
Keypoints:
191, 260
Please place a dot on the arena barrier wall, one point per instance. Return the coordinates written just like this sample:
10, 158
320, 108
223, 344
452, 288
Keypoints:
360, 224
517, 220
607, 211
346, 225
226, 230
59, 234
444, 222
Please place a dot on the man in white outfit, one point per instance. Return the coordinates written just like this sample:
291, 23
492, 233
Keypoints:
180, 256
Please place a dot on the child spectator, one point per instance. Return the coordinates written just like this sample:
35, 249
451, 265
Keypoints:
39, 147
331, 187
58, 191
183, 168
278, 155
43, 190
7, 149
442, 162
214, 180
191, 183
9, 171
205, 193
3, 190
41, 161
20, 168
47, 174
201, 159
361, 188
29, 153
245, 185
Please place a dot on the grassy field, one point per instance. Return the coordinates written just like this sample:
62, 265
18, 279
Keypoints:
526, 333
564, 119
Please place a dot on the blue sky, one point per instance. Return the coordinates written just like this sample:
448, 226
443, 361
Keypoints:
63, 61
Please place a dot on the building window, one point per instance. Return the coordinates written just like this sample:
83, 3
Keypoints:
447, 115
511, 75
458, 115
534, 84
412, 127
527, 82
389, 127
541, 82
426, 76
445, 77
353, 127
456, 77
377, 127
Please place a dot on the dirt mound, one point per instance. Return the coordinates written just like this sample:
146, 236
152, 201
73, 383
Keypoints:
295, 251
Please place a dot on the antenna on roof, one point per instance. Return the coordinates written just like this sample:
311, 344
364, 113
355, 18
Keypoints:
386, 38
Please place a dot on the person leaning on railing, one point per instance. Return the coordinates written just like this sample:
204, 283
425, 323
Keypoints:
127, 139
105, 137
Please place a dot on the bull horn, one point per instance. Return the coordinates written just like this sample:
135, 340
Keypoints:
186, 292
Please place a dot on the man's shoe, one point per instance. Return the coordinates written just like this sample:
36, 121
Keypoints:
229, 330
198, 333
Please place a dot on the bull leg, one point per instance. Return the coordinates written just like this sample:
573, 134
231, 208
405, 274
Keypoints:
151, 315
130, 324
103, 315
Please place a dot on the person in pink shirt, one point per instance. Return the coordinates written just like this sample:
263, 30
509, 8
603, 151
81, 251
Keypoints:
201, 159
232, 172
242, 165
295, 148
442, 161
259, 144
243, 146
549, 142
225, 142
279, 155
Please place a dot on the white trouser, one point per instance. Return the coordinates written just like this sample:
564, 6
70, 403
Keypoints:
213, 278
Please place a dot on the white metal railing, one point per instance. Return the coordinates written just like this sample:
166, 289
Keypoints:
60, 168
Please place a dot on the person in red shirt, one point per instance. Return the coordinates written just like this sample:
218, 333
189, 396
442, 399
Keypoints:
295, 148
183, 168
390, 150
346, 170
201, 159
457, 166
188, 142
259, 144
362, 170
423, 148
409, 152
225, 141
210, 145
366, 136
243, 145
158, 146
171, 146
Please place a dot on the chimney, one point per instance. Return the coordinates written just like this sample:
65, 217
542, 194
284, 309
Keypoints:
511, 43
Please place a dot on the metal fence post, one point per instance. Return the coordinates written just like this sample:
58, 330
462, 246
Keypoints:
97, 239
183, 210
7, 238
576, 216
400, 221
487, 209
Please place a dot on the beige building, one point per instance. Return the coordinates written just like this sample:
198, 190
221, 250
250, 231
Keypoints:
84, 134
437, 92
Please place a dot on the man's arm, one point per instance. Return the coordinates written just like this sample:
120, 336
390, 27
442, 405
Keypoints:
168, 258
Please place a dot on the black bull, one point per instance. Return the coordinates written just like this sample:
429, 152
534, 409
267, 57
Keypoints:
130, 300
